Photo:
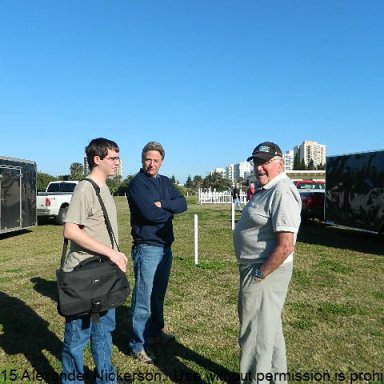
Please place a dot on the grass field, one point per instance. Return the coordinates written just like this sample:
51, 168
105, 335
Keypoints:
333, 317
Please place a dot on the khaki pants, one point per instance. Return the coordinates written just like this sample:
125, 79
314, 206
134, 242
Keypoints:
261, 339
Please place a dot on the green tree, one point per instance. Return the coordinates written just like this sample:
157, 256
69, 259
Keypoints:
64, 177
113, 185
321, 167
216, 181
182, 189
77, 171
189, 183
123, 186
42, 180
240, 180
197, 182
311, 165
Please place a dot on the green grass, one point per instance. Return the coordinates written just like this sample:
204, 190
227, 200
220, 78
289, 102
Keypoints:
333, 317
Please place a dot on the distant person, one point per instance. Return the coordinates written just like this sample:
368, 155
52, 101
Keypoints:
250, 191
264, 242
86, 228
153, 201
236, 197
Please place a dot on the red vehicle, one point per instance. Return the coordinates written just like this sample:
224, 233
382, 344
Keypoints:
312, 193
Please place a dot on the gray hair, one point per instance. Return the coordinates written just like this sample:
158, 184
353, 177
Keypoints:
153, 146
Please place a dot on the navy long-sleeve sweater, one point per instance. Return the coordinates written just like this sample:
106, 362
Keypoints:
150, 224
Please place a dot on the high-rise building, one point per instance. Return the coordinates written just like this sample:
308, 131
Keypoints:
288, 157
221, 171
233, 171
307, 151
242, 169
311, 150
230, 172
119, 170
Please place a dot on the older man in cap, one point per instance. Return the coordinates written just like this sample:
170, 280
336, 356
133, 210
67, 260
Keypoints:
264, 242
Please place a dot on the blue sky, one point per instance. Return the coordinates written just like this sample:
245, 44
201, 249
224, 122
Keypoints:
209, 79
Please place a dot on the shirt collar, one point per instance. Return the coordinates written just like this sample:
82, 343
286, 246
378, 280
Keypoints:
150, 177
274, 181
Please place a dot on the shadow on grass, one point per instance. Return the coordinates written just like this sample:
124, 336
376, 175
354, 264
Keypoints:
19, 232
169, 358
46, 288
25, 332
314, 232
121, 333
170, 363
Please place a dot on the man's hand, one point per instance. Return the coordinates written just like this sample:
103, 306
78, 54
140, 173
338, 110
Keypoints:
158, 204
119, 259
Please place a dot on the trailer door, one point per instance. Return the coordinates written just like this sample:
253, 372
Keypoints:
10, 197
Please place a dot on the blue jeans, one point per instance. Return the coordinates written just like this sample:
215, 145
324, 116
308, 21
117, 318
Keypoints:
237, 203
152, 267
77, 334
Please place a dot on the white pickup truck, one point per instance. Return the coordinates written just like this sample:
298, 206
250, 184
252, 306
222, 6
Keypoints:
54, 202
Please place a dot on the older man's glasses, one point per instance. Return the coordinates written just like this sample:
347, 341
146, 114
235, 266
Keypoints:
255, 162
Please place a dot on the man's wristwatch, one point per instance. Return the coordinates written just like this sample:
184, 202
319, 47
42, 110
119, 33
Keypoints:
258, 274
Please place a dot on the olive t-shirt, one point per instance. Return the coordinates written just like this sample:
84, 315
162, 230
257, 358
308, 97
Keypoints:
85, 211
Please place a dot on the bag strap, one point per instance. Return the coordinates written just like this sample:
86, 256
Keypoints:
64, 252
106, 219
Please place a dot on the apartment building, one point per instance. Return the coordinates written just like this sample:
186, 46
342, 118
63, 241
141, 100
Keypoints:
221, 171
311, 150
307, 151
289, 158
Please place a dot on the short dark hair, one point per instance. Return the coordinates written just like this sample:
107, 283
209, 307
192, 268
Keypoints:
99, 147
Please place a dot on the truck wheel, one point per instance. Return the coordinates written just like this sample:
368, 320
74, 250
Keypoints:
59, 220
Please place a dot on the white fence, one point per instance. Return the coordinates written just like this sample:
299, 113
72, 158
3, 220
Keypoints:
213, 197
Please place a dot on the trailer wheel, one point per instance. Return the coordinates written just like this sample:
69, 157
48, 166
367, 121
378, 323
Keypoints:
59, 220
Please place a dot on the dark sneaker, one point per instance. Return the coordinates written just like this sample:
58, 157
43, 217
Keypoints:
144, 357
163, 338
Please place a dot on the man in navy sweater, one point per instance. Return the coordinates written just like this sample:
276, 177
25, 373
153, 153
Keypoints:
153, 200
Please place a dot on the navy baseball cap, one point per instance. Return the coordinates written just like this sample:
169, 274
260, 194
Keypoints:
266, 151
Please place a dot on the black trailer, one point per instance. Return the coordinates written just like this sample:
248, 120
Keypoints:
17, 194
355, 190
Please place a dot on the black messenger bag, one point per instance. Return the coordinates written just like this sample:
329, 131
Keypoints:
95, 285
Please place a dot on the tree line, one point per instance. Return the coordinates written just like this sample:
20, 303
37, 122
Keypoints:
119, 186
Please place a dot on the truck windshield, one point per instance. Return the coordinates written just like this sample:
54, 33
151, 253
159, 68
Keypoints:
68, 187
61, 187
